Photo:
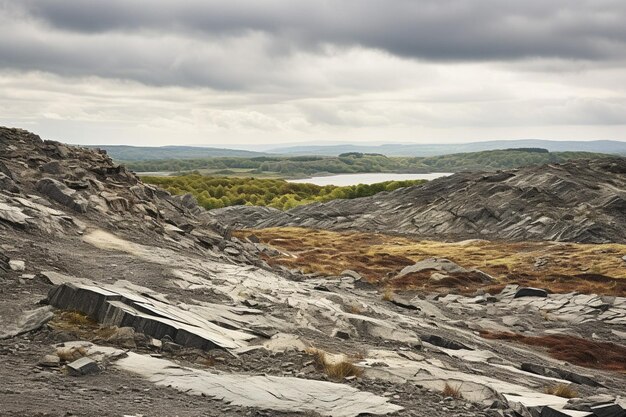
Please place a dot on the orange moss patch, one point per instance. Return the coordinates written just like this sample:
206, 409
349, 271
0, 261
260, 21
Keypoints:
558, 267
582, 352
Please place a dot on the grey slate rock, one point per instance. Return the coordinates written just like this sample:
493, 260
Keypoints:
444, 343
608, 410
560, 374
61, 193
83, 366
530, 292
50, 361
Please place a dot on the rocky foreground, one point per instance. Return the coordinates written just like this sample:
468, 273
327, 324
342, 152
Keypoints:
120, 299
578, 201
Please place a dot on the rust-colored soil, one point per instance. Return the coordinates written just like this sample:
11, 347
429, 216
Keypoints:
558, 267
582, 352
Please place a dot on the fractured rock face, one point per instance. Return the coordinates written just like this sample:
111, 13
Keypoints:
121, 307
61, 193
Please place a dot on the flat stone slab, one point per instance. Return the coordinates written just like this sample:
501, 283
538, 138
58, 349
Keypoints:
275, 393
122, 307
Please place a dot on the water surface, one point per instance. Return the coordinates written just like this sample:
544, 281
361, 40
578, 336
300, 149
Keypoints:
367, 178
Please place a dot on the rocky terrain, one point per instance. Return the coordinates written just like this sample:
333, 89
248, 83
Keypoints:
578, 201
118, 299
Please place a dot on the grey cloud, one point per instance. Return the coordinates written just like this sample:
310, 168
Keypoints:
428, 29
216, 43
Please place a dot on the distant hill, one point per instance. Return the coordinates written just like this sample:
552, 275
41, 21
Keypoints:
152, 153
356, 162
599, 146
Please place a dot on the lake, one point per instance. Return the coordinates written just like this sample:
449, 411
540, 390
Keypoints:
368, 178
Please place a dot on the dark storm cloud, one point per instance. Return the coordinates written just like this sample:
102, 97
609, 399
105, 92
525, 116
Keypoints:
167, 41
431, 29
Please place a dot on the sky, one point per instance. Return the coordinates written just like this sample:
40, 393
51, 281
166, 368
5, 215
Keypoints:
236, 72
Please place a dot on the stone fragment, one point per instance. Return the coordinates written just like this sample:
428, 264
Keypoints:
530, 292
83, 366
17, 265
50, 361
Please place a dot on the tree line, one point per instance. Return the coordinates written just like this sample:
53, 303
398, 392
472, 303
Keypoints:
216, 192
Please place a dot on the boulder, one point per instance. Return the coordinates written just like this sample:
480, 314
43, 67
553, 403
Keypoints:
61, 193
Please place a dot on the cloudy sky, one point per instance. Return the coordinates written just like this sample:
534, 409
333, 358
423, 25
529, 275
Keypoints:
156, 72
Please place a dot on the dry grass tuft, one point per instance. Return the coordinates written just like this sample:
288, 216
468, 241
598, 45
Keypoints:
81, 326
335, 370
561, 390
356, 309
582, 352
450, 391
70, 354
76, 318
388, 294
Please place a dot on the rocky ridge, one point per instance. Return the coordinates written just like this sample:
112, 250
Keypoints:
578, 201
117, 298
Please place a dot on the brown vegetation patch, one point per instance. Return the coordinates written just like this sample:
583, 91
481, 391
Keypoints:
80, 326
557, 267
582, 352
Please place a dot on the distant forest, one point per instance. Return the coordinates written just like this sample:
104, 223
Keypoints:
355, 162
216, 192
